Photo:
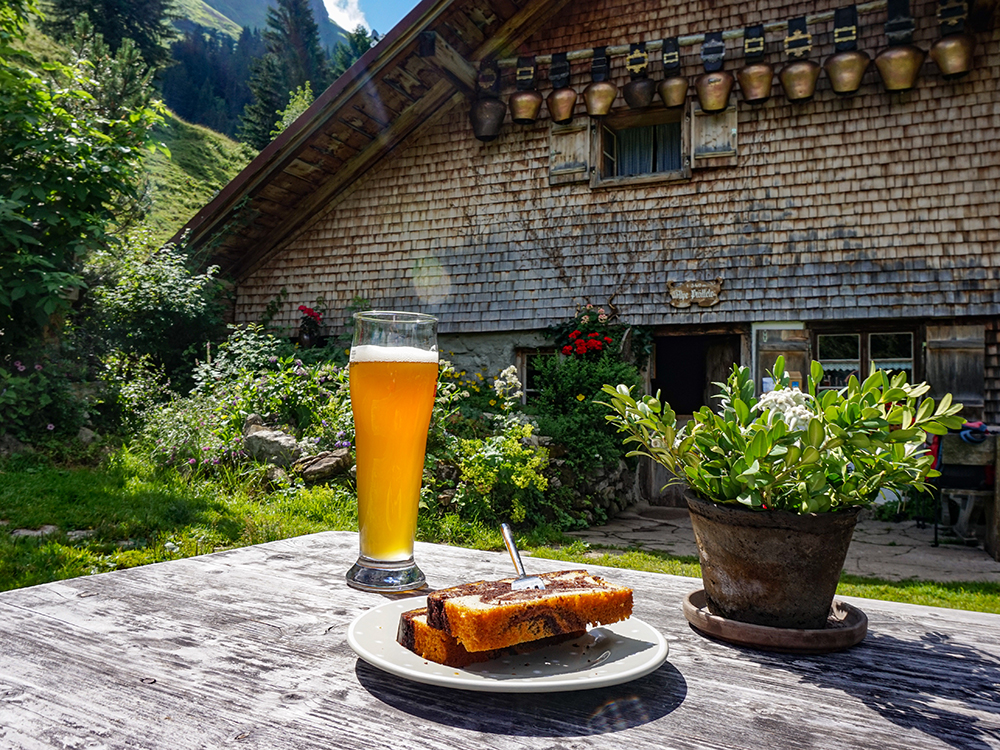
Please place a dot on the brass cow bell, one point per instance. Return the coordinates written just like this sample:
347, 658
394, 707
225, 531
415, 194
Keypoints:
488, 110
600, 94
562, 99
756, 76
799, 77
847, 66
638, 92
899, 64
673, 91
526, 102
953, 51
845, 70
715, 84
953, 54
673, 88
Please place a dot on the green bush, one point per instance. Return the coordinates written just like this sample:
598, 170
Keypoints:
39, 396
566, 407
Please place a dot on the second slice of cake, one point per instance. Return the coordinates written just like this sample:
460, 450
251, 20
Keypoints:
489, 615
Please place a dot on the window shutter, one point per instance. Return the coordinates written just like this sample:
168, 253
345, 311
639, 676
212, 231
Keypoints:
569, 155
713, 138
955, 363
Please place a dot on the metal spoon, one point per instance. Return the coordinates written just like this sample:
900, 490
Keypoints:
524, 581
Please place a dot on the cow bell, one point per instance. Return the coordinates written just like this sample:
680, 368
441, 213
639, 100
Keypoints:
755, 82
525, 106
798, 79
561, 103
845, 70
899, 66
713, 90
599, 96
953, 54
639, 93
673, 91
487, 116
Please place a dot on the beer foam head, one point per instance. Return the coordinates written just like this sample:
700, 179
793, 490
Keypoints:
373, 353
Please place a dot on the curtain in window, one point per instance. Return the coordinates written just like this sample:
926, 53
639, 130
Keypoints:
635, 151
668, 147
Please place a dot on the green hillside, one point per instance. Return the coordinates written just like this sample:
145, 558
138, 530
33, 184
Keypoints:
201, 163
229, 16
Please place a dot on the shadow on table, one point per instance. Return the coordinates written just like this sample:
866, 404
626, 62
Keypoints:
914, 685
573, 714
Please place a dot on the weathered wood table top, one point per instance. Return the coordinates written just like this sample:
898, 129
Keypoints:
248, 649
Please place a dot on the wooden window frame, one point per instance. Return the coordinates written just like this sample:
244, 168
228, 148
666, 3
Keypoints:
522, 355
630, 119
865, 332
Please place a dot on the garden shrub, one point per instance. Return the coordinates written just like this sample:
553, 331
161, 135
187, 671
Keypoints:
39, 395
567, 411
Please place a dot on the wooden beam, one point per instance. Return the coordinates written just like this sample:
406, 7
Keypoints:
309, 210
436, 50
518, 28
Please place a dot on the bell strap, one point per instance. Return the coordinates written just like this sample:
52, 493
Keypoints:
637, 61
671, 56
753, 43
899, 24
559, 71
488, 80
525, 76
713, 51
845, 28
798, 41
599, 65
952, 15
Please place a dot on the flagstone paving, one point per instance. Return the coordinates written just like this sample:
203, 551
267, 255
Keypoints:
880, 549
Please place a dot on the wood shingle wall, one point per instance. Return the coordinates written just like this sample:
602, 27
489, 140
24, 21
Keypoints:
876, 206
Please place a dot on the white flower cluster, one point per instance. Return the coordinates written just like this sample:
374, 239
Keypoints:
507, 385
791, 404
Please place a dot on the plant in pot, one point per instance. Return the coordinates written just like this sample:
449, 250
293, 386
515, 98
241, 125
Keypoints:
776, 482
309, 326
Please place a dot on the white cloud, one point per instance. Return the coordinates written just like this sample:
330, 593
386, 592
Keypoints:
346, 14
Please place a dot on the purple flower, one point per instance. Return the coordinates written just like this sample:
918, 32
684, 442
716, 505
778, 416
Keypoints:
20, 367
38, 367
50, 426
272, 360
17, 363
191, 461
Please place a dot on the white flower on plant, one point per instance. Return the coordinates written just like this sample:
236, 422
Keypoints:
790, 404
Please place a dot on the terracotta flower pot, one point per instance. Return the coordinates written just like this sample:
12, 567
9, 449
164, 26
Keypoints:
771, 568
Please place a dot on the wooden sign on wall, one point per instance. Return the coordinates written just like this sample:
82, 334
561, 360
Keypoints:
701, 293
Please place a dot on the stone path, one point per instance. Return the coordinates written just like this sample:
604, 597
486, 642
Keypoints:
893, 551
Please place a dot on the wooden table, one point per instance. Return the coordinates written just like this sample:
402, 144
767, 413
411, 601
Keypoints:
248, 649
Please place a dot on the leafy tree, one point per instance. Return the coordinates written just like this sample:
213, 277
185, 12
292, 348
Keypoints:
300, 100
66, 161
355, 44
294, 57
146, 22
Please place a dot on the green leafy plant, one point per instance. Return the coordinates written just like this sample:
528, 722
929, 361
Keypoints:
37, 397
805, 452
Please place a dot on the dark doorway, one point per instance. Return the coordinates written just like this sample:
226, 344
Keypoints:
687, 366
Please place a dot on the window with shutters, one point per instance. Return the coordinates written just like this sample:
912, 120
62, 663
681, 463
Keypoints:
635, 147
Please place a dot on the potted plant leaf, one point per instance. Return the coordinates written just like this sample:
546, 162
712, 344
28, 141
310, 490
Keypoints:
776, 482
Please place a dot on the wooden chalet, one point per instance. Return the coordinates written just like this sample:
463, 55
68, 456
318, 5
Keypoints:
851, 229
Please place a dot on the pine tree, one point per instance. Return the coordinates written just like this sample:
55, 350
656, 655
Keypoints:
294, 57
355, 44
146, 22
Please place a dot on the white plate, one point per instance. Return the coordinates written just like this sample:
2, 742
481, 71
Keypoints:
606, 655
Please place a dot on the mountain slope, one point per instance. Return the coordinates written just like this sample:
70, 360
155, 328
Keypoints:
201, 163
229, 16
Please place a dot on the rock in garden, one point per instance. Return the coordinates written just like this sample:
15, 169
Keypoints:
323, 465
45, 530
272, 447
275, 477
10, 446
254, 423
86, 435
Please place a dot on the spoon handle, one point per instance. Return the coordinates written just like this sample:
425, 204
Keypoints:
515, 556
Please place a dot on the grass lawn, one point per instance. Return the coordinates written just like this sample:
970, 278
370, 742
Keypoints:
127, 514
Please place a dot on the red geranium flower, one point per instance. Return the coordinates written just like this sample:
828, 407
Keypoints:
593, 335
574, 335
608, 339
567, 349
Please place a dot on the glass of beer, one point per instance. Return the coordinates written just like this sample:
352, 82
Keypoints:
393, 378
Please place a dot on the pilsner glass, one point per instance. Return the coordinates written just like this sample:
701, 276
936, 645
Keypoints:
393, 376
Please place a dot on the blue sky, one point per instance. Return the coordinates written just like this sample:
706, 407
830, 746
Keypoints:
380, 15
